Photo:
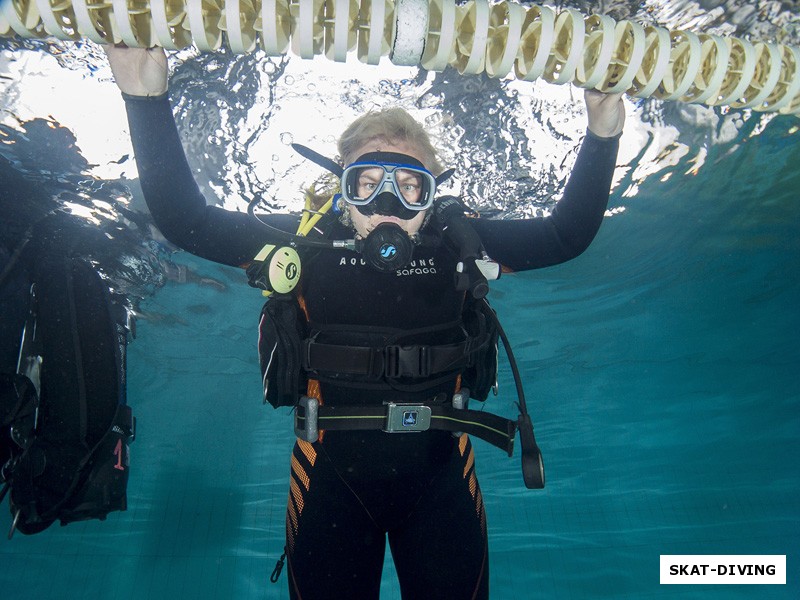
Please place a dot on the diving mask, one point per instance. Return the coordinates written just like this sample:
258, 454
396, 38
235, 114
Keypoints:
377, 178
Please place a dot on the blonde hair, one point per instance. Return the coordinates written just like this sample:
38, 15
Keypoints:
390, 125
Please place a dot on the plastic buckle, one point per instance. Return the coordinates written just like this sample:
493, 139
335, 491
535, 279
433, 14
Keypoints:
310, 431
413, 361
405, 418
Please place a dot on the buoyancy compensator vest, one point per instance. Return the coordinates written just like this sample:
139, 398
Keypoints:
289, 355
66, 426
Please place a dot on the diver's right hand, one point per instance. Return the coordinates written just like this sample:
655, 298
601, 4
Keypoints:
138, 71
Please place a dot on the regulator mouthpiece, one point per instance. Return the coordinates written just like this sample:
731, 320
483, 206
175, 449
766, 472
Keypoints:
387, 248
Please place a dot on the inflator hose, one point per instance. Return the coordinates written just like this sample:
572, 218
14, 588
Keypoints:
500, 39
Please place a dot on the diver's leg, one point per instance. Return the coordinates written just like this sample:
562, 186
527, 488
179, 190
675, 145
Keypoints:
441, 550
334, 550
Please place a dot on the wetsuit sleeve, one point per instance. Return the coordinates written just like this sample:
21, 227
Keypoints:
174, 199
524, 244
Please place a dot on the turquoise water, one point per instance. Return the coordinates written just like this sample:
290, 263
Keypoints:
660, 366
661, 369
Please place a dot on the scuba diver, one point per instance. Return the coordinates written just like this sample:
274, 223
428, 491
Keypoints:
378, 343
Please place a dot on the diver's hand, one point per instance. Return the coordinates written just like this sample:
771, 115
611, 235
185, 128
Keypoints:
606, 113
138, 71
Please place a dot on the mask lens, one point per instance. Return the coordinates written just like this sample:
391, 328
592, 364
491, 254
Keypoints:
410, 185
367, 182
362, 183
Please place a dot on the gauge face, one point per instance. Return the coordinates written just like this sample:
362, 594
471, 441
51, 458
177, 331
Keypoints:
284, 270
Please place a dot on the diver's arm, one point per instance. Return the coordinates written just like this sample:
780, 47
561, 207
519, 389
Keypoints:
178, 207
173, 197
576, 218
605, 113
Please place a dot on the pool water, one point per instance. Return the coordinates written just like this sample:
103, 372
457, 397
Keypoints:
660, 369
661, 372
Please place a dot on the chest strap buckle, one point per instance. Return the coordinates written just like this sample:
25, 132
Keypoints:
408, 361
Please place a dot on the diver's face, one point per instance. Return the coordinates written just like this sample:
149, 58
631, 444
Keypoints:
364, 224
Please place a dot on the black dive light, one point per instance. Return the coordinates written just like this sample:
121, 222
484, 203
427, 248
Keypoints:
532, 463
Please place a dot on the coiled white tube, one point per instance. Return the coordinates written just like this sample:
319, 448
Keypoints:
276, 26
500, 38
441, 35
373, 33
536, 43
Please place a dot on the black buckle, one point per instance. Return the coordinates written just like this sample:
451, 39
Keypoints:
409, 361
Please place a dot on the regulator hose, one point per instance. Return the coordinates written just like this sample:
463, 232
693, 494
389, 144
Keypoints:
500, 39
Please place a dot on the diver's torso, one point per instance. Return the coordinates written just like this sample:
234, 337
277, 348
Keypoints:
340, 288
349, 302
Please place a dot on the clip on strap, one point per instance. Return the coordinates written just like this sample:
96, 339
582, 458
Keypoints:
413, 361
402, 418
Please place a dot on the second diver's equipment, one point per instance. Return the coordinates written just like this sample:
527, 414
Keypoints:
69, 427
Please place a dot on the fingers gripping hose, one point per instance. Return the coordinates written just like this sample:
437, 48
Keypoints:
534, 42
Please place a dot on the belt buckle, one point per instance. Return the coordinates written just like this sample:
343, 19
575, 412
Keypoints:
405, 418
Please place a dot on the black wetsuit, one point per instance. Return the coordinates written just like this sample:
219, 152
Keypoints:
352, 488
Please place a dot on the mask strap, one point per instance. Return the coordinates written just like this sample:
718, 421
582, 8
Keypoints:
317, 158
440, 179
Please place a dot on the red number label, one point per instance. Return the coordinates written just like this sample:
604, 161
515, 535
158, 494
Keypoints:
118, 454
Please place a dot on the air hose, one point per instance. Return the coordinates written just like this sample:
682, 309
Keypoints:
500, 39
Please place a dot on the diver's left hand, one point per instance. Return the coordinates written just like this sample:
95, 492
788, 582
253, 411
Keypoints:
606, 113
